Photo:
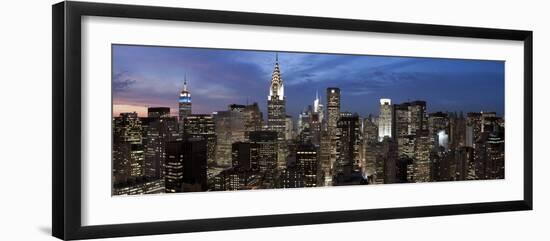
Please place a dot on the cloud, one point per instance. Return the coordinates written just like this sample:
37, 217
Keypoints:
122, 82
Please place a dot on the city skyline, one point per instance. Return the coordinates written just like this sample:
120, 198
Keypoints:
148, 76
213, 142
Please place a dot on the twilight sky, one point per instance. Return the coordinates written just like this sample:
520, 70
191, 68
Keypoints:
146, 76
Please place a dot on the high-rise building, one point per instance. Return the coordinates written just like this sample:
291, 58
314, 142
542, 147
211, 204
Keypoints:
333, 115
324, 158
385, 119
418, 117
253, 119
161, 129
333, 109
348, 143
202, 126
186, 166
276, 105
184, 102
371, 169
307, 160
267, 143
422, 164
289, 128
387, 161
370, 131
128, 150
230, 128
245, 156
457, 133
473, 127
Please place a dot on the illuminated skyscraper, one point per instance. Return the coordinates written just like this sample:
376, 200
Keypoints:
333, 109
186, 166
184, 102
128, 156
333, 115
230, 128
307, 161
161, 129
348, 143
276, 106
422, 164
253, 119
202, 126
385, 119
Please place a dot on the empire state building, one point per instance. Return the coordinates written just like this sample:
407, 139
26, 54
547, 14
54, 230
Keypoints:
184, 102
276, 104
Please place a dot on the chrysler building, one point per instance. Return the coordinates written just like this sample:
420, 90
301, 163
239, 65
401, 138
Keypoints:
276, 106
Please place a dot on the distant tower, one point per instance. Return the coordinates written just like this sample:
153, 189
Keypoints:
184, 102
385, 119
333, 109
276, 107
333, 115
318, 107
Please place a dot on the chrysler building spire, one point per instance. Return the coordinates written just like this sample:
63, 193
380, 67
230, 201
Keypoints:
276, 89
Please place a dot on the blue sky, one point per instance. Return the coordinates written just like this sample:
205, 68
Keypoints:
153, 76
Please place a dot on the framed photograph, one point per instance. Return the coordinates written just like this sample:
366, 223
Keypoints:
171, 120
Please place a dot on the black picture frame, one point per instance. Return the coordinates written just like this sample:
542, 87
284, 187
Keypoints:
66, 122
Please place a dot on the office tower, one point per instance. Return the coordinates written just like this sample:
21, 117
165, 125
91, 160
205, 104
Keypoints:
370, 131
489, 154
161, 129
267, 149
457, 133
464, 159
245, 156
404, 169
371, 170
276, 106
348, 143
230, 128
418, 117
486, 119
495, 153
316, 123
304, 119
128, 153
422, 164
409, 117
333, 109
401, 120
184, 103
158, 112
387, 161
385, 119
253, 119
333, 115
437, 122
473, 126
307, 160
202, 126
324, 158
289, 128
186, 166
